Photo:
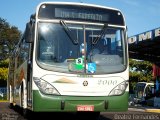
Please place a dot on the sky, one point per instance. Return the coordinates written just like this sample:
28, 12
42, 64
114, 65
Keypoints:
140, 15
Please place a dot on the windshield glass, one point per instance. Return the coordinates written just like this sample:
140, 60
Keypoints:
140, 90
75, 48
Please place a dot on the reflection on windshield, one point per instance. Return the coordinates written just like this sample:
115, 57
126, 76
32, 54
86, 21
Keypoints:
57, 51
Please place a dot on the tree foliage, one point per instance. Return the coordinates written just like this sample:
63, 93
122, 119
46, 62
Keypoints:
140, 71
9, 37
3, 72
4, 63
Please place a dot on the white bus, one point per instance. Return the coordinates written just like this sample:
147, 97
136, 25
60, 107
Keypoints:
72, 57
144, 91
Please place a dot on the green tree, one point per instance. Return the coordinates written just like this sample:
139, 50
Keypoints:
9, 37
3, 72
140, 71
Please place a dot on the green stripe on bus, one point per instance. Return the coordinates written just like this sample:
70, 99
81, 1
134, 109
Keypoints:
48, 103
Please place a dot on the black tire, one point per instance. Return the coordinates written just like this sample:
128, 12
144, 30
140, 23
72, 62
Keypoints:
11, 105
25, 113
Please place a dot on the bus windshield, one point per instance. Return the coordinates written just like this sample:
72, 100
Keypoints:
140, 90
72, 48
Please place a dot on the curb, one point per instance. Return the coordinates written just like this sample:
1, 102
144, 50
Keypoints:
137, 110
153, 110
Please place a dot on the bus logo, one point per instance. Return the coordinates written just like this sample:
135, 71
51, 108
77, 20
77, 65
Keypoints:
85, 83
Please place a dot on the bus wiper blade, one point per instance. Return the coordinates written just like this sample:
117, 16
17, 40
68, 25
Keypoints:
101, 34
69, 32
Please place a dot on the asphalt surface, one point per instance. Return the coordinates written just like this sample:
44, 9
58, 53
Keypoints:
132, 114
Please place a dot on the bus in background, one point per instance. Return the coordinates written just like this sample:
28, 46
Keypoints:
144, 91
73, 57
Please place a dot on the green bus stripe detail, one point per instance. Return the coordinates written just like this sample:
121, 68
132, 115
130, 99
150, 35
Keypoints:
48, 103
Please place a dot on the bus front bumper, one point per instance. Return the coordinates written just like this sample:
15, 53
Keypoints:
50, 103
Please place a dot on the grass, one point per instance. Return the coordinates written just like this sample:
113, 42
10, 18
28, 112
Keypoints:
3, 100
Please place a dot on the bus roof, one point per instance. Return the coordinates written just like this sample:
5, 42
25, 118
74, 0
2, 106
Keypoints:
78, 3
147, 83
111, 15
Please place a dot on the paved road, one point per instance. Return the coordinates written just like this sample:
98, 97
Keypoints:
14, 114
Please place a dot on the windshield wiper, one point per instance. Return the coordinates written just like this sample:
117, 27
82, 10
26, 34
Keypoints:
69, 32
101, 34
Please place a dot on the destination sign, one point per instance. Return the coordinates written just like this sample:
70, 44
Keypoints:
80, 13
149, 35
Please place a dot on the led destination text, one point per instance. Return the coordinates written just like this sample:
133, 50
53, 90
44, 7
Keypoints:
76, 14
80, 16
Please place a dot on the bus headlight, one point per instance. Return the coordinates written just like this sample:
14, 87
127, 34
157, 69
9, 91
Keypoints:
45, 87
119, 89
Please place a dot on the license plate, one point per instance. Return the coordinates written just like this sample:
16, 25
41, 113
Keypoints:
85, 108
